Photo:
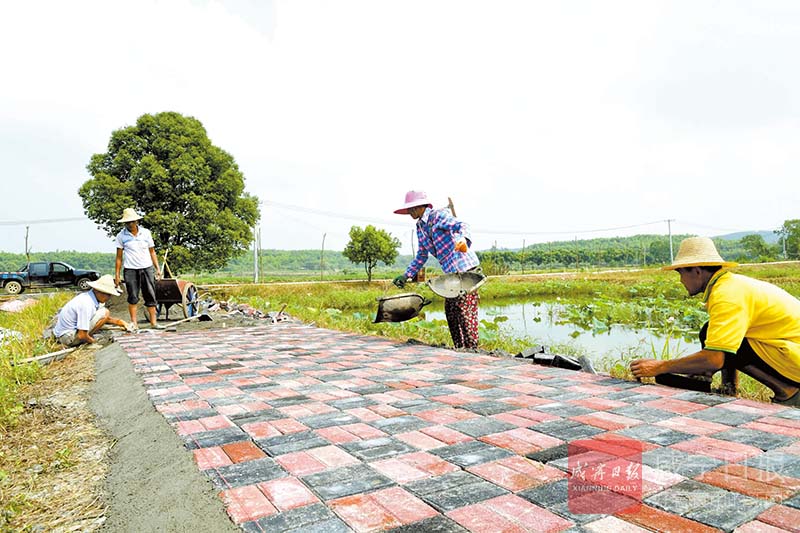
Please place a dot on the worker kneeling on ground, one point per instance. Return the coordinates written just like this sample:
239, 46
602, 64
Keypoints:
85, 314
753, 326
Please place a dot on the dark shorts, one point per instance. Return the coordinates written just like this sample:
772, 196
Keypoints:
746, 356
143, 279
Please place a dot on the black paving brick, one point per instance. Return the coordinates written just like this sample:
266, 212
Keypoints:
479, 427
678, 462
327, 420
550, 454
646, 414
470, 453
293, 442
375, 449
548, 495
656, 434
454, 490
352, 403
703, 398
631, 397
686, 497
566, 429
305, 519
724, 416
437, 524
217, 437
346, 481
729, 511
752, 437
246, 473
257, 416
776, 461
488, 407
400, 424
564, 410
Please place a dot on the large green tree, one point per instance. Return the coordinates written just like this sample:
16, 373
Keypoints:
370, 245
789, 238
190, 191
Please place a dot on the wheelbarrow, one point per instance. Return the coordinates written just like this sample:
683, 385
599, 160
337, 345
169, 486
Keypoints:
171, 291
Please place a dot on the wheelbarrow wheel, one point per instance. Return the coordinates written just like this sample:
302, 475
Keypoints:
189, 300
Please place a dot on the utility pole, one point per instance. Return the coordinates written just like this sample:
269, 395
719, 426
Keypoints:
321, 255
577, 255
28, 250
522, 258
260, 257
669, 230
255, 254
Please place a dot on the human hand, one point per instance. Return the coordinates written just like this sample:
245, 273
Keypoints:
158, 274
400, 281
461, 246
116, 281
645, 368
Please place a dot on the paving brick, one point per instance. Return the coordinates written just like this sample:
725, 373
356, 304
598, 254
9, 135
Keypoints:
346, 481
300, 463
657, 520
675, 406
775, 424
564, 410
376, 449
729, 511
719, 449
776, 461
533, 416
244, 504
656, 434
643, 413
419, 440
506, 512
720, 415
686, 496
310, 519
247, 473
566, 429
547, 495
703, 398
756, 526
725, 479
470, 453
516, 474
678, 462
488, 407
549, 454
243, 451
383, 509
759, 439
327, 420
692, 426
211, 458
521, 440
445, 434
207, 439
293, 442
437, 524
400, 424
783, 517
632, 397
607, 421
287, 493
454, 490
612, 524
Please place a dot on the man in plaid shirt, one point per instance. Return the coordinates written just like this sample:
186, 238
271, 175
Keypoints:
448, 239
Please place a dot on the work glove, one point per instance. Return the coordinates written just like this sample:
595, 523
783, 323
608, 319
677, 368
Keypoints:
400, 281
461, 246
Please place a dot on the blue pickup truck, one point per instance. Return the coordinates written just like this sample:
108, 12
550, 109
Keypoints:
46, 274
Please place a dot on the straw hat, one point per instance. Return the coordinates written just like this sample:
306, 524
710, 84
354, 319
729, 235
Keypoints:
698, 251
129, 215
105, 284
414, 199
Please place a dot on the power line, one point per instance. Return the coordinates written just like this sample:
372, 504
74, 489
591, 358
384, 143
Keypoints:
40, 221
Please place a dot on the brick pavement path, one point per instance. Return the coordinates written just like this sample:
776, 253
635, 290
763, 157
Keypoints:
307, 429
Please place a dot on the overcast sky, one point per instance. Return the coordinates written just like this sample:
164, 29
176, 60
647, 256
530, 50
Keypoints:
542, 120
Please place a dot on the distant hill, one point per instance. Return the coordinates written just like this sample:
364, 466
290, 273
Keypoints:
769, 236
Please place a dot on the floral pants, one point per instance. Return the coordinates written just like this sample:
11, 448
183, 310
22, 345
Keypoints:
462, 318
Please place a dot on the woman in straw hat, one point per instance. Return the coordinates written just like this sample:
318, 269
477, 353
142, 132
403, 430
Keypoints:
136, 251
85, 314
448, 239
753, 326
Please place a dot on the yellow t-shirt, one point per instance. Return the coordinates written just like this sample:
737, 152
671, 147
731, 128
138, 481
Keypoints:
767, 316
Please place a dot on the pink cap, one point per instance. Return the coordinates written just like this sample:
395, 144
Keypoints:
414, 199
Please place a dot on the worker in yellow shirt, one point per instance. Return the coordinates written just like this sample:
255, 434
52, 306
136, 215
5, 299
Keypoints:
753, 326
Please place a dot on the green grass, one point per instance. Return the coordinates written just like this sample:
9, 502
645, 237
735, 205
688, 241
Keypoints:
30, 322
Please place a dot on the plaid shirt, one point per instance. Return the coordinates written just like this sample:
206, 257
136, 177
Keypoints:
438, 232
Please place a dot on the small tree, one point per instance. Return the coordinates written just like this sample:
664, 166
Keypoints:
191, 192
370, 245
789, 239
756, 246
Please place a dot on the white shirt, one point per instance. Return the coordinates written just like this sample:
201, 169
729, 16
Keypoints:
136, 249
77, 314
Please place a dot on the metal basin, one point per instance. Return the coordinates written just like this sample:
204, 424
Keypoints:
400, 307
457, 284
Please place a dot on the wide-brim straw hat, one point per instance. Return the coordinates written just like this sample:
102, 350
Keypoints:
414, 199
129, 215
105, 284
698, 251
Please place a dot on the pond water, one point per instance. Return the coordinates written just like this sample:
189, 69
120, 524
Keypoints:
539, 322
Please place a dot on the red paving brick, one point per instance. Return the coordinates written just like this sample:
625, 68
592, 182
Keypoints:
719, 449
261, 430
243, 451
211, 458
420, 440
508, 513
598, 404
300, 464
607, 421
783, 517
522, 441
246, 503
517, 473
381, 510
332, 456
664, 522
675, 406
756, 526
446, 435
790, 428
723, 478
692, 425
287, 493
